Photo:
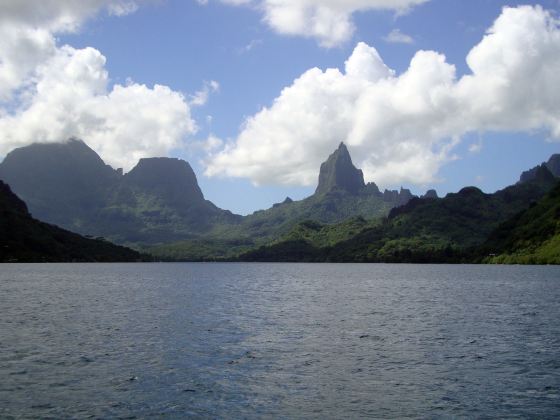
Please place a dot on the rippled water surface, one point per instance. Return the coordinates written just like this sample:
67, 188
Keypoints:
279, 340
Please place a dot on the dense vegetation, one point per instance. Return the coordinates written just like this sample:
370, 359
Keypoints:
159, 202
23, 238
158, 208
531, 237
68, 184
451, 229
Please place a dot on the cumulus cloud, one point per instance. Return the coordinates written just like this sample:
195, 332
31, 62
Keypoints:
52, 92
328, 21
402, 128
27, 32
60, 15
72, 98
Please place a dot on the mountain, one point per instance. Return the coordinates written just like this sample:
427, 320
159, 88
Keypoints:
341, 194
68, 184
65, 184
339, 173
172, 180
25, 239
530, 237
159, 200
553, 165
430, 194
423, 230
159, 207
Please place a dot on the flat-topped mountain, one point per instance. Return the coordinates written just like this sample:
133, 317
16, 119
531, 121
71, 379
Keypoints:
62, 183
69, 185
169, 178
341, 195
160, 201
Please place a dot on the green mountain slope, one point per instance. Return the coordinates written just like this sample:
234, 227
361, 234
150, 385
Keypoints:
64, 184
69, 185
159, 205
341, 194
25, 239
531, 237
424, 230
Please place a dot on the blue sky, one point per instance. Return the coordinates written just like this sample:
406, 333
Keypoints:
185, 45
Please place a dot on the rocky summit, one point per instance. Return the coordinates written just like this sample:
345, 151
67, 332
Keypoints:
553, 165
338, 172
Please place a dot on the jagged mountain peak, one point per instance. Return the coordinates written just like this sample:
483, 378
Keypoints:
338, 172
553, 166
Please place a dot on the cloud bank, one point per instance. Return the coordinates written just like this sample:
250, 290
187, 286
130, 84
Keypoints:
328, 21
402, 128
49, 93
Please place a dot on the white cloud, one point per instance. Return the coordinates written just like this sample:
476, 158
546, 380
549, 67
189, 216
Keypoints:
397, 37
22, 49
402, 128
51, 92
328, 21
72, 98
201, 97
60, 15
212, 143
27, 31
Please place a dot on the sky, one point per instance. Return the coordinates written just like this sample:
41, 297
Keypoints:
255, 94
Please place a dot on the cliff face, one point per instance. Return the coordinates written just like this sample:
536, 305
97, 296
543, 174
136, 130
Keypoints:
173, 180
339, 173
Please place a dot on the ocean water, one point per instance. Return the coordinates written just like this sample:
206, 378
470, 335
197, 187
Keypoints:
279, 340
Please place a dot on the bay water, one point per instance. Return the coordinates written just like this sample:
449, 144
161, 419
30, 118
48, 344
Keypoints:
279, 340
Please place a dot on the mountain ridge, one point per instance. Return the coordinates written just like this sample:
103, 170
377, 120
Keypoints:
159, 207
160, 200
425, 230
25, 239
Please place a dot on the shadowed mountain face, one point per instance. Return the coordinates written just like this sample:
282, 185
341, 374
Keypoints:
553, 165
23, 238
340, 194
159, 200
170, 179
338, 172
61, 183
530, 237
449, 229
69, 185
